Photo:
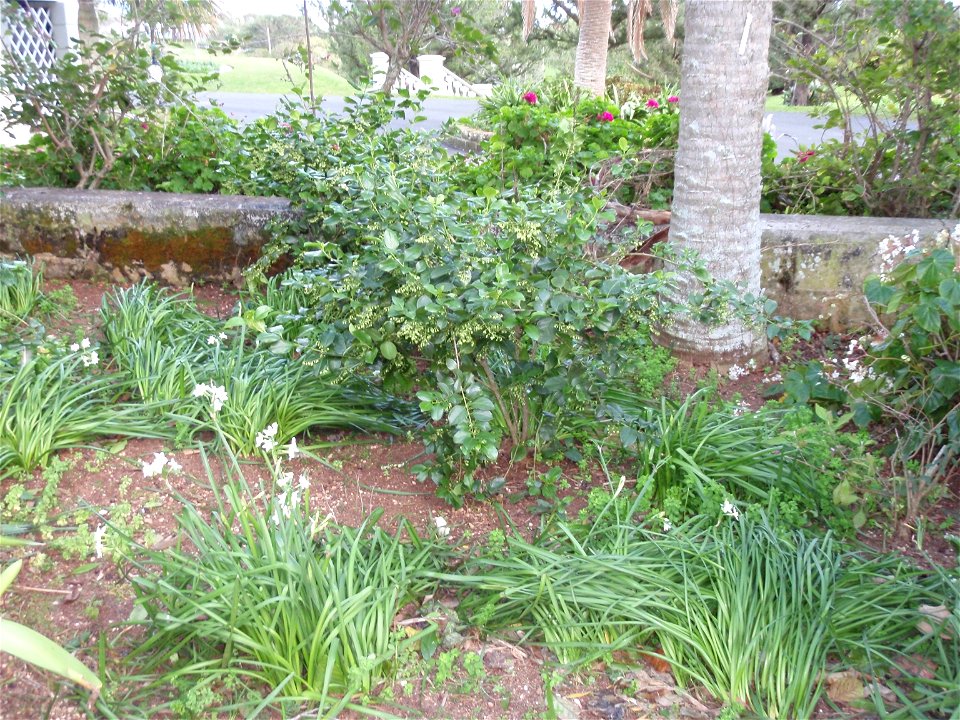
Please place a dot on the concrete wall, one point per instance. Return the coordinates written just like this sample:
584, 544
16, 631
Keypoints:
813, 266
131, 235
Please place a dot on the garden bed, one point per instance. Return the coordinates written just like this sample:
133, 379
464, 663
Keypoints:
83, 602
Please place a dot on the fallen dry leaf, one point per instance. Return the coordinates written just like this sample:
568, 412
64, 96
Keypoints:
938, 613
845, 687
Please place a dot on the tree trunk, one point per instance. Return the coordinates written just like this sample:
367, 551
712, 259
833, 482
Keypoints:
801, 90
716, 202
590, 72
87, 20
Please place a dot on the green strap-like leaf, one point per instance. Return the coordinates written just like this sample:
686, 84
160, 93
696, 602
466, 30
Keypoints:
26, 644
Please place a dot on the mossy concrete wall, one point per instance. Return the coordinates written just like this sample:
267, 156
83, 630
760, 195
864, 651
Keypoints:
813, 266
131, 235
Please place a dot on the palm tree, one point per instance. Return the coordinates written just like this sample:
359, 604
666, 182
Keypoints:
716, 204
590, 71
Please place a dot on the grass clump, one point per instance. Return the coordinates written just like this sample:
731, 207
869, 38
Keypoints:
19, 291
750, 612
289, 607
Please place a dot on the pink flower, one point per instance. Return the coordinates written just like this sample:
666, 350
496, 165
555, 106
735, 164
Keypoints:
673, 99
145, 126
605, 116
456, 11
651, 103
530, 97
806, 155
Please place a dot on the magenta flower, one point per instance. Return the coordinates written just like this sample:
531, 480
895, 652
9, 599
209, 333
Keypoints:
673, 99
605, 116
806, 155
651, 103
530, 97
456, 11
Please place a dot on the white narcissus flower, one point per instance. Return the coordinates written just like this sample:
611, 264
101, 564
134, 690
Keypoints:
303, 482
730, 510
667, 525
292, 449
155, 466
98, 541
173, 466
75, 347
212, 340
91, 358
266, 439
443, 530
85, 343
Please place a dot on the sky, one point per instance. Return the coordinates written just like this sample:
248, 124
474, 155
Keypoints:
239, 8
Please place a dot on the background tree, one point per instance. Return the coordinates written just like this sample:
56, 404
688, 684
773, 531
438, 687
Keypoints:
87, 20
590, 71
716, 205
403, 30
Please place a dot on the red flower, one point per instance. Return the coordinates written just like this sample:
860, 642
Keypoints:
530, 97
673, 99
145, 126
605, 116
805, 155
651, 103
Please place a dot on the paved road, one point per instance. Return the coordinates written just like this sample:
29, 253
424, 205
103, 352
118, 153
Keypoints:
792, 130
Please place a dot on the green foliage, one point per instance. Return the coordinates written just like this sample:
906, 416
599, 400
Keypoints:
912, 375
895, 63
19, 291
691, 457
165, 348
553, 137
48, 405
87, 109
741, 607
264, 592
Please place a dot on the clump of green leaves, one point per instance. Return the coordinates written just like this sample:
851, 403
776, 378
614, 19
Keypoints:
19, 291
912, 377
275, 597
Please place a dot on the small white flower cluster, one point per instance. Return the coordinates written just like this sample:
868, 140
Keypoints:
667, 525
893, 248
87, 358
216, 339
774, 378
289, 496
856, 371
729, 509
740, 408
736, 371
157, 465
267, 438
216, 393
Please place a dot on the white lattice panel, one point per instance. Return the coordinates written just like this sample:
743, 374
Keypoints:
30, 35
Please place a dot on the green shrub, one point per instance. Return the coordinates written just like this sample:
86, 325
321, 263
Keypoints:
911, 377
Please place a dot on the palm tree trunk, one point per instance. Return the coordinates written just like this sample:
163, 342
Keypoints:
590, 72
87, 20
716, 204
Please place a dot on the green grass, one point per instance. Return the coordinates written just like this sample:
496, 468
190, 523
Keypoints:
265, 75
777, 103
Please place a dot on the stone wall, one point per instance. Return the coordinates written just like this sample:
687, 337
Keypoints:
131, 235
813, 266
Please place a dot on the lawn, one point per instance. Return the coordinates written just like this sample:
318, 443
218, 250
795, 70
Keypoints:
249, 74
